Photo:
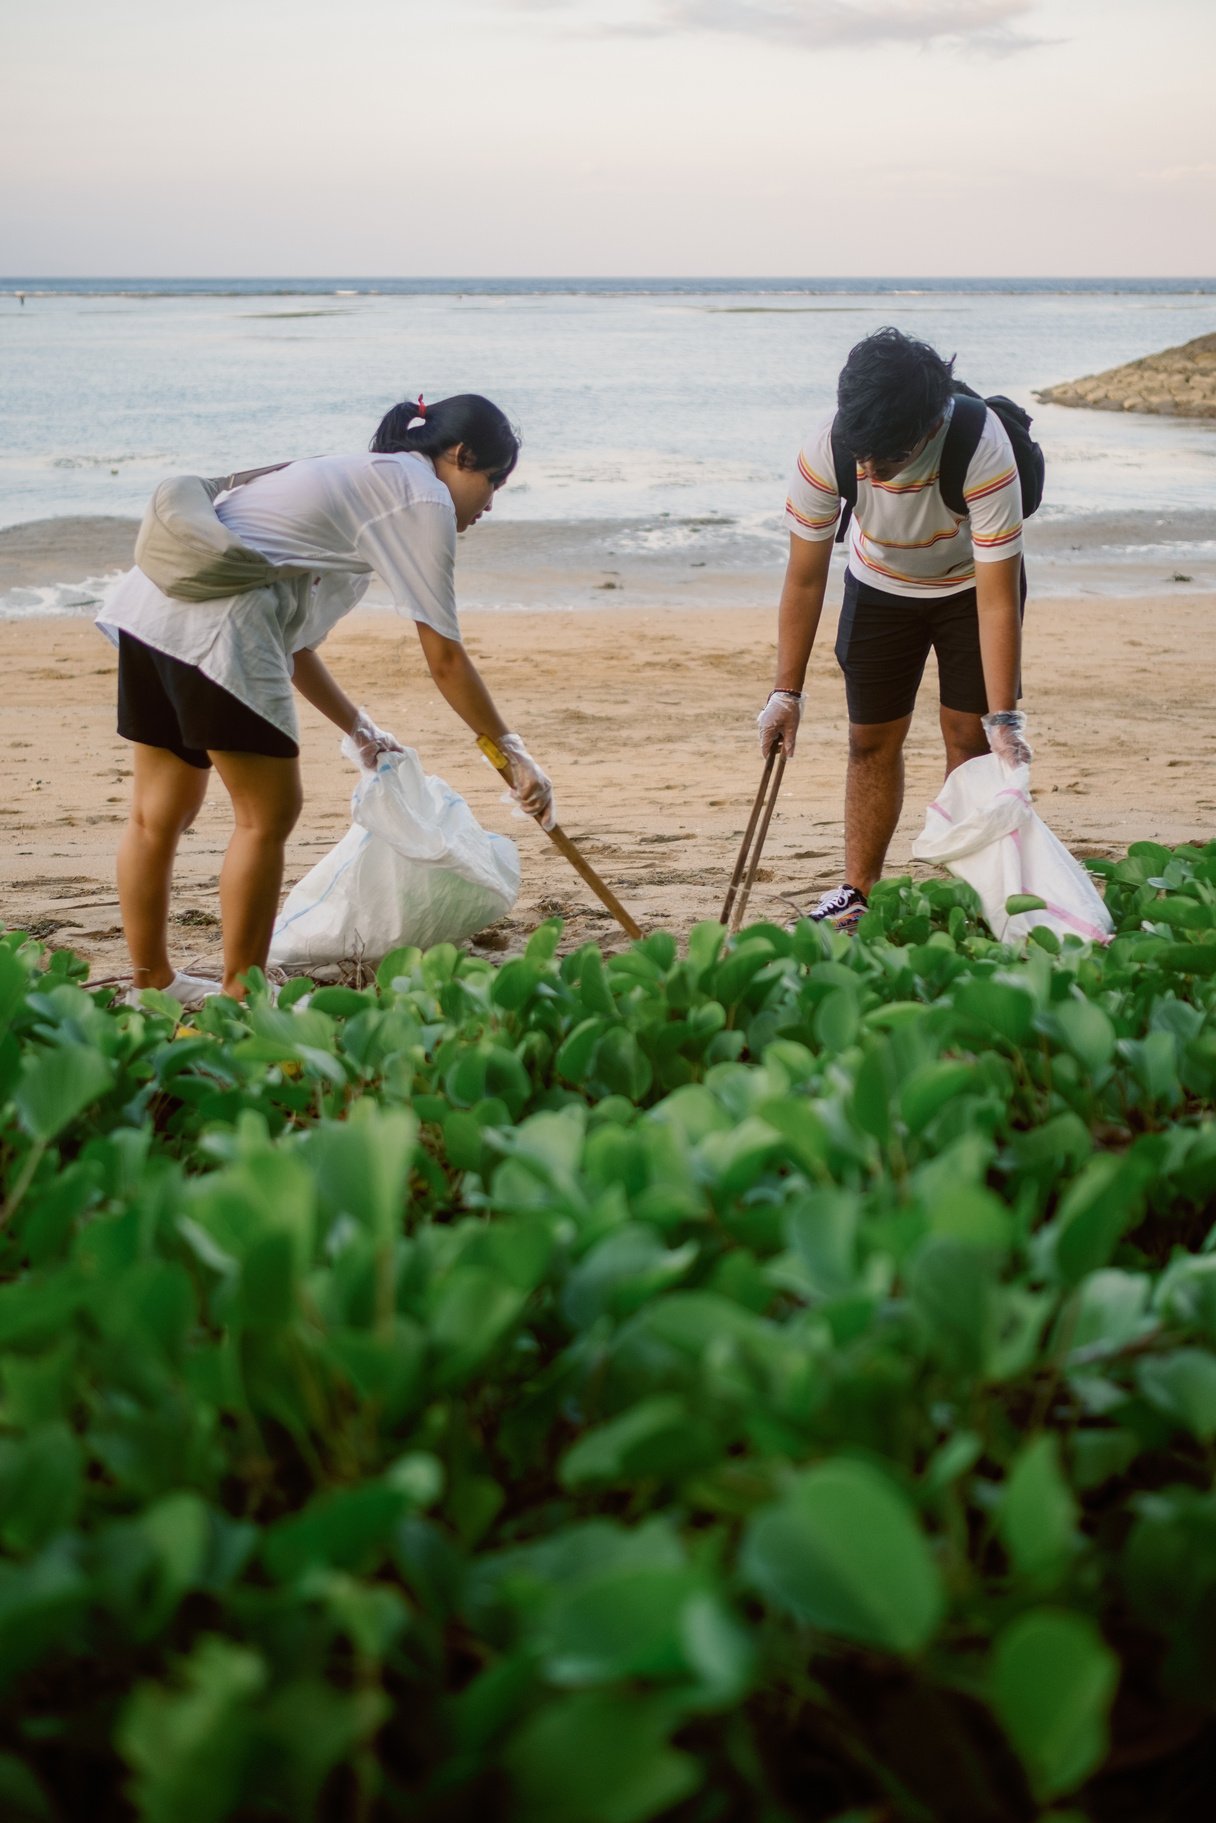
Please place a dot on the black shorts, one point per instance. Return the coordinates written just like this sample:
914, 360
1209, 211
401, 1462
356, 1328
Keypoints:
883, 641
165, 703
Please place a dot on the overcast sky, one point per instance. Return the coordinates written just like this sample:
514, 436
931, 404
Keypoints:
607, 137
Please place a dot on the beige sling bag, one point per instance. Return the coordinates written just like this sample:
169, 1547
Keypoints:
187, 550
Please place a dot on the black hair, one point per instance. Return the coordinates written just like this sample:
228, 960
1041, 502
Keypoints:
890, 391
485, 431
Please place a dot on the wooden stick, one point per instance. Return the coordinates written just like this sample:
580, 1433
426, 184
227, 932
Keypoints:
745, 844
745, 894
740, 887
561, 840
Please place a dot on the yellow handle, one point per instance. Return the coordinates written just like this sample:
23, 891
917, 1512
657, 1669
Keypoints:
493, 752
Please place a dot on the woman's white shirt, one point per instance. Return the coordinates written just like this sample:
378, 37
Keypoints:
341, 516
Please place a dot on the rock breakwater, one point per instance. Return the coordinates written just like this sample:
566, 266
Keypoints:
1178, 382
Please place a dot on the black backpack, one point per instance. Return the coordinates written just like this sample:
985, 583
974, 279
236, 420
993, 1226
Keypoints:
962, 439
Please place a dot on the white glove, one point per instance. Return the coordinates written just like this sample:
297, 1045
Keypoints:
372, 741
530, 787
780, 715
1006, 731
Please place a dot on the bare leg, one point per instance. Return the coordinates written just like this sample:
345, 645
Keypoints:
166, 796
873, 797
266, 799
964, 737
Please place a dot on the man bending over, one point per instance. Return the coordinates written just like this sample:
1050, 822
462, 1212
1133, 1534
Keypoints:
919, 576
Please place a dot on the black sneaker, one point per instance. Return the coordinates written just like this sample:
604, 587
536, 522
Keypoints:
843, 909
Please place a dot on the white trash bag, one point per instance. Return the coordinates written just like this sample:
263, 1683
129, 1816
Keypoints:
983, 827
416, 867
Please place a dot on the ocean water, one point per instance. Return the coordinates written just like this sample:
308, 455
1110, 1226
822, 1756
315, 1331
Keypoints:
673, 409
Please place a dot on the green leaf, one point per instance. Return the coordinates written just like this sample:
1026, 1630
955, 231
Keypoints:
1087, 1032
837, 1019
873, 1087
621, 1066
1053, 1679
574, 1057
593, 983
22, 1798
40, 1487
601, 1757
178, 1529
362, 1166
1097, 1209
1110, 1310
1038, 1516
1183, 1386
1007, 1011
188, 1743
14, 981
315, 1728
1187, 958
623, 1624
1024, 902
621, 1273
58, 1085
340, 1002
657, 1438
347, 1529
515, 983
473, 1315
841, 1551
931, 1088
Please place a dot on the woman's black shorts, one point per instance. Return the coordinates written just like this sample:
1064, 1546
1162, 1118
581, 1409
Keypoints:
165, 703
884, 640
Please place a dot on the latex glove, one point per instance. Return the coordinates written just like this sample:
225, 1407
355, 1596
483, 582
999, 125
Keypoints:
372, 741
1006, 731
780, 715
530, 787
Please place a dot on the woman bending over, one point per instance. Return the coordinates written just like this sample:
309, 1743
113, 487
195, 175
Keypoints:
209, 684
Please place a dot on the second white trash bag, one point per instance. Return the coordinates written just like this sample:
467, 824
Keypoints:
984, 828
416, 867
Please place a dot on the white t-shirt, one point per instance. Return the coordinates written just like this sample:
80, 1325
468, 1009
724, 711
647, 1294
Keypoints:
342, 516
903, 537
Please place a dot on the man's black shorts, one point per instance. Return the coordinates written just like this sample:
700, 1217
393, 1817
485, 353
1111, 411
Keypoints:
884, 640
165, 703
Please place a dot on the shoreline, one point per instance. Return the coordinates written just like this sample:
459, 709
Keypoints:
645, 719
55, 566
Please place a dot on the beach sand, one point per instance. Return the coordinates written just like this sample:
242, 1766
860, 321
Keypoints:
640, 702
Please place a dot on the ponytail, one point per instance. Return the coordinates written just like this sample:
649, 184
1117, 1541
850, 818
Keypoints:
430, 430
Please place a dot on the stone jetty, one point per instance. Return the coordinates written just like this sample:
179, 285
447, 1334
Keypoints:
1178, 382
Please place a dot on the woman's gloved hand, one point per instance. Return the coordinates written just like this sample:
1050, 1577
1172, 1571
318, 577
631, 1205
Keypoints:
1006, 731
372, 741
530, 787
780, 716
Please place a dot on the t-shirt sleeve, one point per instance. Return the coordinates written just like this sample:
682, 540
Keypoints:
412, 548
993, 493
812, 506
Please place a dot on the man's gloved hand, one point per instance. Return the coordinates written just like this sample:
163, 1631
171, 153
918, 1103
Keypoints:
372, 741
1006, 731
780, 715
530, 787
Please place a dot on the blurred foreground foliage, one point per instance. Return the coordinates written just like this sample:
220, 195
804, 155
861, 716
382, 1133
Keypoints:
744, 1385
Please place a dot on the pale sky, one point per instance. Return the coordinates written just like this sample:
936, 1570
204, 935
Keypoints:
516, 138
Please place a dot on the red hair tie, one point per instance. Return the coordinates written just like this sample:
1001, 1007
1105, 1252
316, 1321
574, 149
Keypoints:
421, 407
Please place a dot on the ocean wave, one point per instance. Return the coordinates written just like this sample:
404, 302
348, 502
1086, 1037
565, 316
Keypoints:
50, 599
717, 535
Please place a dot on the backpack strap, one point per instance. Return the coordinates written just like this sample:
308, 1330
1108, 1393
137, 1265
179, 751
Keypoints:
962, 440
846, 481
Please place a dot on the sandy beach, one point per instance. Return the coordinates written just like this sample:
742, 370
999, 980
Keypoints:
636, 688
